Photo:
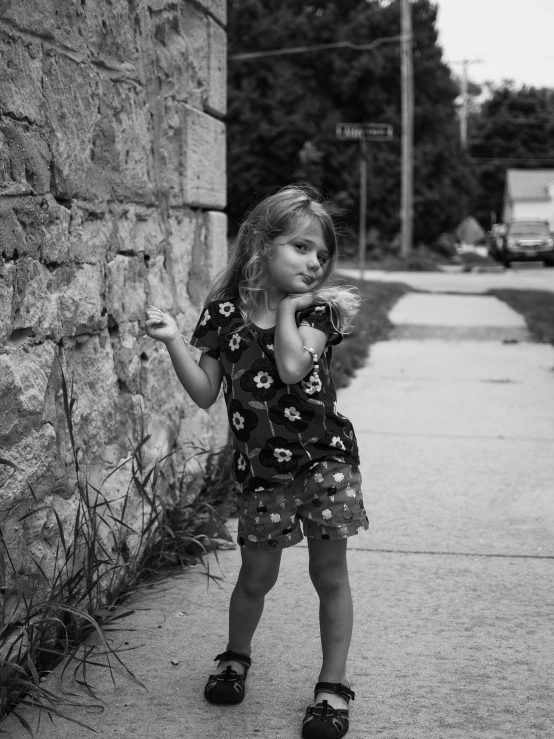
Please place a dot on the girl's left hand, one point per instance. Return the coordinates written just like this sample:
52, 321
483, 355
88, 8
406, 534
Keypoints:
300, 301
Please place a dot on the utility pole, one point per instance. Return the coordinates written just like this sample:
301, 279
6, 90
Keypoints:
463, 117
406, 208
464, 108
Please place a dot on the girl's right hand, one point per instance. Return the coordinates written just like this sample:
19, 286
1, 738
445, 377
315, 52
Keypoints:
160, 326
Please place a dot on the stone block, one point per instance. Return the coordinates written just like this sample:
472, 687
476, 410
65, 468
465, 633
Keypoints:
79, 291
203, 160
92, 234
50, 21
185, 226
209, 255
164, 397
216, 242
111, 32
71, 96
199, 271
126, 351
169, 145
34, 307
10, 427
90, 367
121, 157
125, 293
180, 44
139, 230
35, 454
21, 74
216, 99
22, 226
12, 236
6, 298
160, 287
24, 375
57, 219
29, 159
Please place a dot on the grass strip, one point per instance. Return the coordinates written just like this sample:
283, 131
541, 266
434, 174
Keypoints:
372, 324
536, 307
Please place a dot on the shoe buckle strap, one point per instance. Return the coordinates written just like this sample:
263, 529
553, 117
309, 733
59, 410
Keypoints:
229, 655
337, 688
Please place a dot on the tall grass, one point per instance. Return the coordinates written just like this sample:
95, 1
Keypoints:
97, 565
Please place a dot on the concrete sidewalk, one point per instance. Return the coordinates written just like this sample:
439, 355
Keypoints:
466, 282
454, 633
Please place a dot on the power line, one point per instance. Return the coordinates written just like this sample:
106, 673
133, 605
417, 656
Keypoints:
511, 159
315, 47
521, 121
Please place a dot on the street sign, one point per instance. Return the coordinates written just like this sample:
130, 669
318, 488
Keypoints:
364, 131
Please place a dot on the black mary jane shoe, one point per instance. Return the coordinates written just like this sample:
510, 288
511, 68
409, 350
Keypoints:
322, 721
228, 687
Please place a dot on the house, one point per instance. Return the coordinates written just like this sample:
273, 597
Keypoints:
529, 193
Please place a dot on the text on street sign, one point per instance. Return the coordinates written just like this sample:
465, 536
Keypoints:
364, 131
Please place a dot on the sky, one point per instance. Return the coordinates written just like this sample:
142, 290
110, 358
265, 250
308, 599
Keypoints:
514, 39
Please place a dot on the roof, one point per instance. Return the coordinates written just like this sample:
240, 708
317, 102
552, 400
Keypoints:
529, 184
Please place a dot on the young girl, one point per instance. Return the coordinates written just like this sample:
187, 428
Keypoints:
266, 334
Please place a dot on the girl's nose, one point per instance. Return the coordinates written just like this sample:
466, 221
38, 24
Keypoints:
313, 263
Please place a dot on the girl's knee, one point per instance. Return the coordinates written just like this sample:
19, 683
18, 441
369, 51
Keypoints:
258, 577
331, 577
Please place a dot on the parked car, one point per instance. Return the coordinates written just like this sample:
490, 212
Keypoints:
525, 240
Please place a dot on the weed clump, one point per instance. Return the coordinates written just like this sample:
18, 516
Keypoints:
111, 548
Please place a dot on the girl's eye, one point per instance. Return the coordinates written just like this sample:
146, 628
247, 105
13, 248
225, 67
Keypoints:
301, 246
322, 260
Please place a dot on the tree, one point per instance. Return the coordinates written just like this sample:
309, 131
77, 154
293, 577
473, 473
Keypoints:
514, 128
282, 107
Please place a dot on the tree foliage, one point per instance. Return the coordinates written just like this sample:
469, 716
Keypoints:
514, 128
283, 111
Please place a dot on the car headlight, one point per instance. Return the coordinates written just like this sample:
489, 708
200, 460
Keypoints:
550, 242
512, 243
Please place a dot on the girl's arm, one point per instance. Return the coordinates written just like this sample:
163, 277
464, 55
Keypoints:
201, 381
293, 361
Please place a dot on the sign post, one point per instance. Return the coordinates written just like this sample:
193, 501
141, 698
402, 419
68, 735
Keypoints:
363, 208
363, 132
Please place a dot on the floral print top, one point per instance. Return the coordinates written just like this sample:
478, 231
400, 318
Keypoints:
278, 429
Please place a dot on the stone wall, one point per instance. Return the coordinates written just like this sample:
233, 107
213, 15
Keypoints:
112, 183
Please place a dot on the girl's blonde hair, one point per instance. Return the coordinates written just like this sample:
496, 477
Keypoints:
245, 276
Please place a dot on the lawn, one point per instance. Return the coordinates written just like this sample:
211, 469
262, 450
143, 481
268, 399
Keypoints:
371, 325
536, 306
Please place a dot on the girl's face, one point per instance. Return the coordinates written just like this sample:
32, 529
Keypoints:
298, 260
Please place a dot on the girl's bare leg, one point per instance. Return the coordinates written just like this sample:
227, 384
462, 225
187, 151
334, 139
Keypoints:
258, 574
329, 574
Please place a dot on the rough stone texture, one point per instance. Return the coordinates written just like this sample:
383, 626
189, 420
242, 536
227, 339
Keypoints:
200, 185
112, 174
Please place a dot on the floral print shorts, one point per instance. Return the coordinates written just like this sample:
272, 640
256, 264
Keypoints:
326, 497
